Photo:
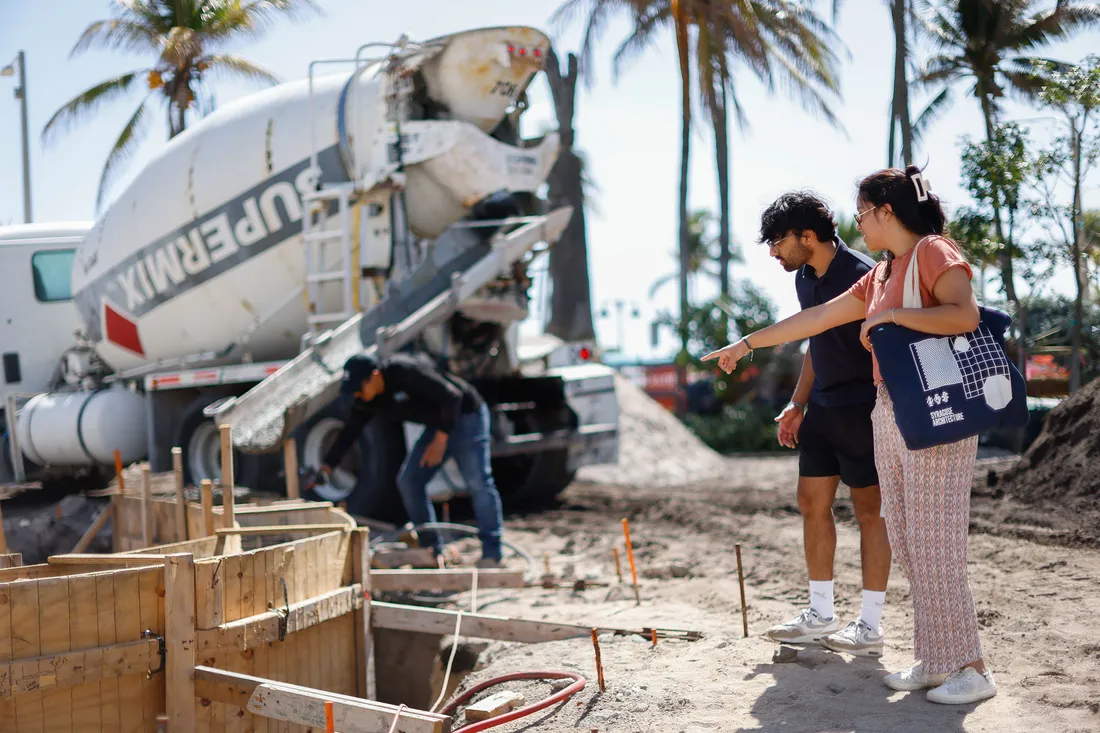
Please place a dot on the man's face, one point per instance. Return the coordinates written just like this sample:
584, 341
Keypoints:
792, 250
371, 387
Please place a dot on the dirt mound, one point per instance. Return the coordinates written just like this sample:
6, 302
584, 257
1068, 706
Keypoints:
655, 448
1059, 465
38, 531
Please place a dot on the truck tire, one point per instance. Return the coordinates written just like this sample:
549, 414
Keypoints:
200, 441
532, 481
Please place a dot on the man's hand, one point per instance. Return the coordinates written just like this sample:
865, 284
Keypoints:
876, 320
433, 456
790, 420
728, 356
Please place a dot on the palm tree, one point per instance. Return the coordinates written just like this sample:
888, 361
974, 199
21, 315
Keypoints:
188, 37
986, 43
704, 254
771, 37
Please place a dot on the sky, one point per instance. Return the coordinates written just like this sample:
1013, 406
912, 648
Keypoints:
628, 128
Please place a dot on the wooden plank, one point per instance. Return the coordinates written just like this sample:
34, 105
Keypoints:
290, 463
84, 635
107, 559
146, 505
209, 597
179, 635
451, 579
105, 621
7, 707
417, 557
228, 498
283, 529
54, 672
99, 523
208, 506
128, 628
364, 634
230, 659
181, 496
201, 548
494, 705
282, 507
11, 559
477, 625
26, 648
237, 636
53, 617
306, 706
3, 537
151, 609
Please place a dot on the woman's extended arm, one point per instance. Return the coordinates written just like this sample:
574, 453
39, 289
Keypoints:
956, 313
842, 309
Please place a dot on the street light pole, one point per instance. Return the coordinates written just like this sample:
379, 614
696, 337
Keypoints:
21, 95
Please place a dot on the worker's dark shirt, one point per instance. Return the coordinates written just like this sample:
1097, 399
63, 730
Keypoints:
414, 391
842, 367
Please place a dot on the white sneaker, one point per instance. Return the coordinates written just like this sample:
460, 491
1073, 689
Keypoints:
856, 638
914, 678
804, 628
964, 686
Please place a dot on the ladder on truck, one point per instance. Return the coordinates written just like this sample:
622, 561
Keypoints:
262, 418
315, 234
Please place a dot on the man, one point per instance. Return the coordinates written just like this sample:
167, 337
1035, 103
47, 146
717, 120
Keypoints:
829, 419
456, 425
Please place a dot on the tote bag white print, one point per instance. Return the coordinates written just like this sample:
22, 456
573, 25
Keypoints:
975, 360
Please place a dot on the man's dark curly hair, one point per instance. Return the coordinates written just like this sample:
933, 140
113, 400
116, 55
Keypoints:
797, 211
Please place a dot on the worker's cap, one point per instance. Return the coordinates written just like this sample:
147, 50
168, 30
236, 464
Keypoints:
356, 369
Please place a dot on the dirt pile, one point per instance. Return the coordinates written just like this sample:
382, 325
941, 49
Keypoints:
1060, 465
655, 448
39, 531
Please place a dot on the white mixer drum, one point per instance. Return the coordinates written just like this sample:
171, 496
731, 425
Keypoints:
83, 428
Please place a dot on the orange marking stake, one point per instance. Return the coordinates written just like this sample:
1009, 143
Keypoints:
653, 636
118, 471
330, 720
599, 664
630, 557
618, 564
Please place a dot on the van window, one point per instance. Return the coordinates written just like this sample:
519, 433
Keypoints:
53, 275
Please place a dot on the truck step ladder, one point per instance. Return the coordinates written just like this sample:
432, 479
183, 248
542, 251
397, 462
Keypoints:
320, 278
461, 265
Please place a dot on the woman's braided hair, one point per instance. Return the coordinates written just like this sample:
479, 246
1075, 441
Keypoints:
901, 189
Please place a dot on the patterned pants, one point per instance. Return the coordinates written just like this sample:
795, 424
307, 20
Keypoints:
926, 502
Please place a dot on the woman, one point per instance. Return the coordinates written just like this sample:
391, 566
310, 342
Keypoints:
925, 493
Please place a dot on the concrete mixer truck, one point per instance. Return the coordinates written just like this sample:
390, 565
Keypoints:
386, 204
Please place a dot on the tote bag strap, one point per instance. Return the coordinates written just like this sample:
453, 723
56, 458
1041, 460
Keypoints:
911, 294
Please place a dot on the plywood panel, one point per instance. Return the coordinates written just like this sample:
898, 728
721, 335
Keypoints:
84, 634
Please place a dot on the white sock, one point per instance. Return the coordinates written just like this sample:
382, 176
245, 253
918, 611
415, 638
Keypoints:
873, 601
821, 597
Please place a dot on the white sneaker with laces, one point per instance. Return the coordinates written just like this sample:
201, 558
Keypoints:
856, 638
914, 678
964, 686
805, 628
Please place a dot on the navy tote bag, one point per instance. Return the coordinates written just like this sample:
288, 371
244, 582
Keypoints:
948, 388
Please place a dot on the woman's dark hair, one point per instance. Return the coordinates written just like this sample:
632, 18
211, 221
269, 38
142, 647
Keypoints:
797, 211
899, 188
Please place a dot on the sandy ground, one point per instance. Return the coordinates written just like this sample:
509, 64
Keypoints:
1036, 603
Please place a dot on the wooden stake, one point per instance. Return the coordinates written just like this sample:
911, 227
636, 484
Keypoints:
227, 474
208, 506
92, 531
118, 471
290, 462
546, 562
653, 636
181, 497
179, 636
618, 563
599, 664
630, 557
364, 627
330, 722
3, 537
146, 505
741, 582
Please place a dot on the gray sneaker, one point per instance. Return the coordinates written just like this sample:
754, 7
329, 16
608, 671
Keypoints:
963, 687
914, 678
805, 628
857, 638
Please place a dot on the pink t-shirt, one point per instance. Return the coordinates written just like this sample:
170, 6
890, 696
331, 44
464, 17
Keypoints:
935, 255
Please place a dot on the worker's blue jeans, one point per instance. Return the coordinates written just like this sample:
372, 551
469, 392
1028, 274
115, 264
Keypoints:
468, 445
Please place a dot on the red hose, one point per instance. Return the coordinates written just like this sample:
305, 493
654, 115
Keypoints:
559, 696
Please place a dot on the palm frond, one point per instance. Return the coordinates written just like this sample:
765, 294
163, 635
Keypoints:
124, 147
118, 35
87, 102
1055, 23
640, 39
233, 19
234, 66
935, 109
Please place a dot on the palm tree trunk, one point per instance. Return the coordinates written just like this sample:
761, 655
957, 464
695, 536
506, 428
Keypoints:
680, 19
721, 148
1078, 300
571, 302
901, 86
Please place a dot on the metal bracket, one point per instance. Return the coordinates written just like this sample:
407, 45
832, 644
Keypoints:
148, 634
283, 613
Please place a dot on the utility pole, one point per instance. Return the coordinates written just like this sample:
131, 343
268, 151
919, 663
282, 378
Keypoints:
21, 95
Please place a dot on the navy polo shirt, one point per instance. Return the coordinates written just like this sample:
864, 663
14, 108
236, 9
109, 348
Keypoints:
842, 367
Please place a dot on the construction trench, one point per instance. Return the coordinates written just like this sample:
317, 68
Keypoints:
211, 615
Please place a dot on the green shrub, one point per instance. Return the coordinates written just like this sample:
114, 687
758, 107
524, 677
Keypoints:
737, 429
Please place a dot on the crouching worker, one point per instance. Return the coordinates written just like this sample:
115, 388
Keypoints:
456, 425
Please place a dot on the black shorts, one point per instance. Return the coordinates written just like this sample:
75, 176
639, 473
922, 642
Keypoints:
838, 441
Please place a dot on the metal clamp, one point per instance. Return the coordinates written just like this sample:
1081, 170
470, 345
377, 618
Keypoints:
283, 613
148, 634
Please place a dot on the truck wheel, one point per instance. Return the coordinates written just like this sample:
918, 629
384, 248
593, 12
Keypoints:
533, 480
199, 439
314, 439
